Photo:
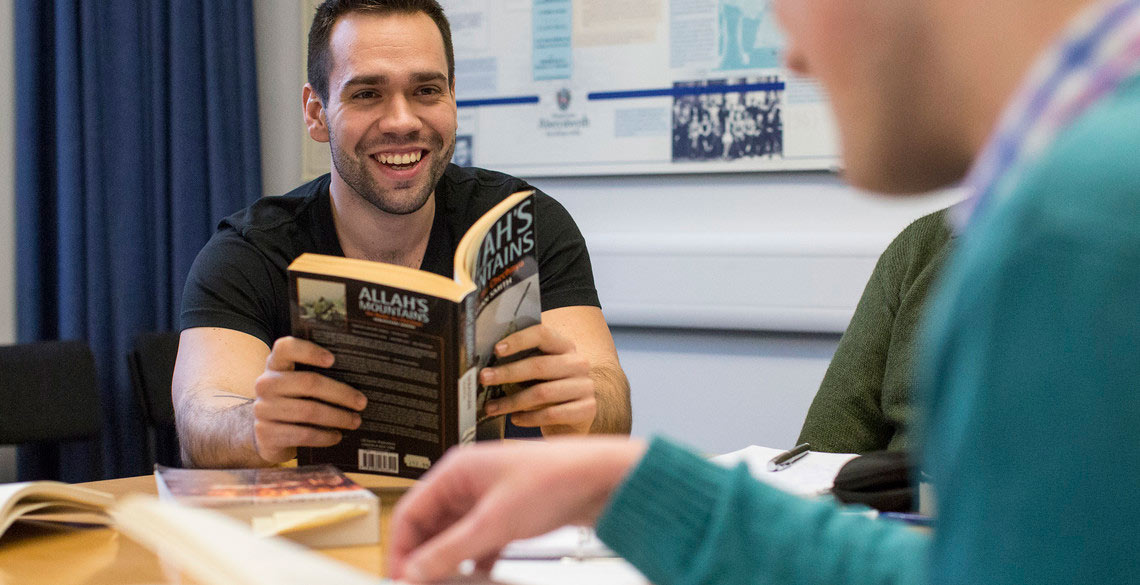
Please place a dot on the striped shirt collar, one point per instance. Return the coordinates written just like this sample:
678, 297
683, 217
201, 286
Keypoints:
1098, 50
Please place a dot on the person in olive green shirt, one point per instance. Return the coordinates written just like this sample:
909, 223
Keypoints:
864, 401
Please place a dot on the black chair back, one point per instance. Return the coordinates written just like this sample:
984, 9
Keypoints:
48, 393
151, 364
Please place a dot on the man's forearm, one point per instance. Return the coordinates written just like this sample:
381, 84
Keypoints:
611, 391
215, 429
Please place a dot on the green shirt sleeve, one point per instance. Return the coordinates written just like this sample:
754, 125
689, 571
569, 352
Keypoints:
864, 402
682, 520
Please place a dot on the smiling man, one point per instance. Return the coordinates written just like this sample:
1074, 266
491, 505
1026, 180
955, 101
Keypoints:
1029, 380
381, 93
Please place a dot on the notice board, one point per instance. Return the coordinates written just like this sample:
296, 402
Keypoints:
623, 87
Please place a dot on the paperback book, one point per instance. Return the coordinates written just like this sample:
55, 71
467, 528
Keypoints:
318, 506
413, 342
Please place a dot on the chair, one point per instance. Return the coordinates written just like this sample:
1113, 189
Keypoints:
151, 364
49, 394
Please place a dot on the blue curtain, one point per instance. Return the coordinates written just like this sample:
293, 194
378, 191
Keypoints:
136, 132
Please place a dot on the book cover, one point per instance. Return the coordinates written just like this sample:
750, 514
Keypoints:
315, 505
413, 342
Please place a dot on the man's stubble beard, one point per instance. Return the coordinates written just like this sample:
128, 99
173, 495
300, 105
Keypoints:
353, 170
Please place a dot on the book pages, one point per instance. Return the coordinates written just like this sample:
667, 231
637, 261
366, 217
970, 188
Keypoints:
218, 550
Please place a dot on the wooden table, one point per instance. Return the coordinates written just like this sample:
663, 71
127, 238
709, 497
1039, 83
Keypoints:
98, 556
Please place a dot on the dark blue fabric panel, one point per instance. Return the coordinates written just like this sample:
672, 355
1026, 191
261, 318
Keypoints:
140, 135
35, 143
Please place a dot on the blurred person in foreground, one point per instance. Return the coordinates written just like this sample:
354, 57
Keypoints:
1028, 382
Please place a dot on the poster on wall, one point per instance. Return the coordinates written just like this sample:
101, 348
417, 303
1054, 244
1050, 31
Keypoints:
616, 87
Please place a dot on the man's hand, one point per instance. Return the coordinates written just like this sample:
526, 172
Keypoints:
300, 408
479, 498
563, 401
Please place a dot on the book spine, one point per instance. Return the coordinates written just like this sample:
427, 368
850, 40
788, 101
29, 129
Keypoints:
467, 384
449, 398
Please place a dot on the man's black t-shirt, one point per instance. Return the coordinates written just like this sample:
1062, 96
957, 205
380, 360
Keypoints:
238, 281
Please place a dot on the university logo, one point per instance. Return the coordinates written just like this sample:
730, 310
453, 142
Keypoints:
563, 98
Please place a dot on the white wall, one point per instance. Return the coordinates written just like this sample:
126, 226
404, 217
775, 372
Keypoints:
7, 208
722, 390
279, 81
726, 293
775, 262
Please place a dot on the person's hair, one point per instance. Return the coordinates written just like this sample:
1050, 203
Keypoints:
320, 57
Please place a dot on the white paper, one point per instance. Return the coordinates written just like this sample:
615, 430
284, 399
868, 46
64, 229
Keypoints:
575, 542
567, 572
287, 521
811, 475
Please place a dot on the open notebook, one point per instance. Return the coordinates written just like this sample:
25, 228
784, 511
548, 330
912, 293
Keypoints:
810, 476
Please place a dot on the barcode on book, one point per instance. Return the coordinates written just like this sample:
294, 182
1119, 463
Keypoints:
380, 461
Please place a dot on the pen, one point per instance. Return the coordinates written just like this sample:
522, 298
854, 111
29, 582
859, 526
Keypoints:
783, 460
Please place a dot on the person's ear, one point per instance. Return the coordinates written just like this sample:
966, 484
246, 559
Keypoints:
314, 111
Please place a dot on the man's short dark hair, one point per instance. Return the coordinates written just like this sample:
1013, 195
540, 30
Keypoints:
320, 57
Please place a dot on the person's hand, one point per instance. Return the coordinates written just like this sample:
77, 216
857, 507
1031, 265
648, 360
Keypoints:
563, 401
300, 408
477, 499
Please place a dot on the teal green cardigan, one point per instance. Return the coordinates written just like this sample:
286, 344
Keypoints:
1031, 394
